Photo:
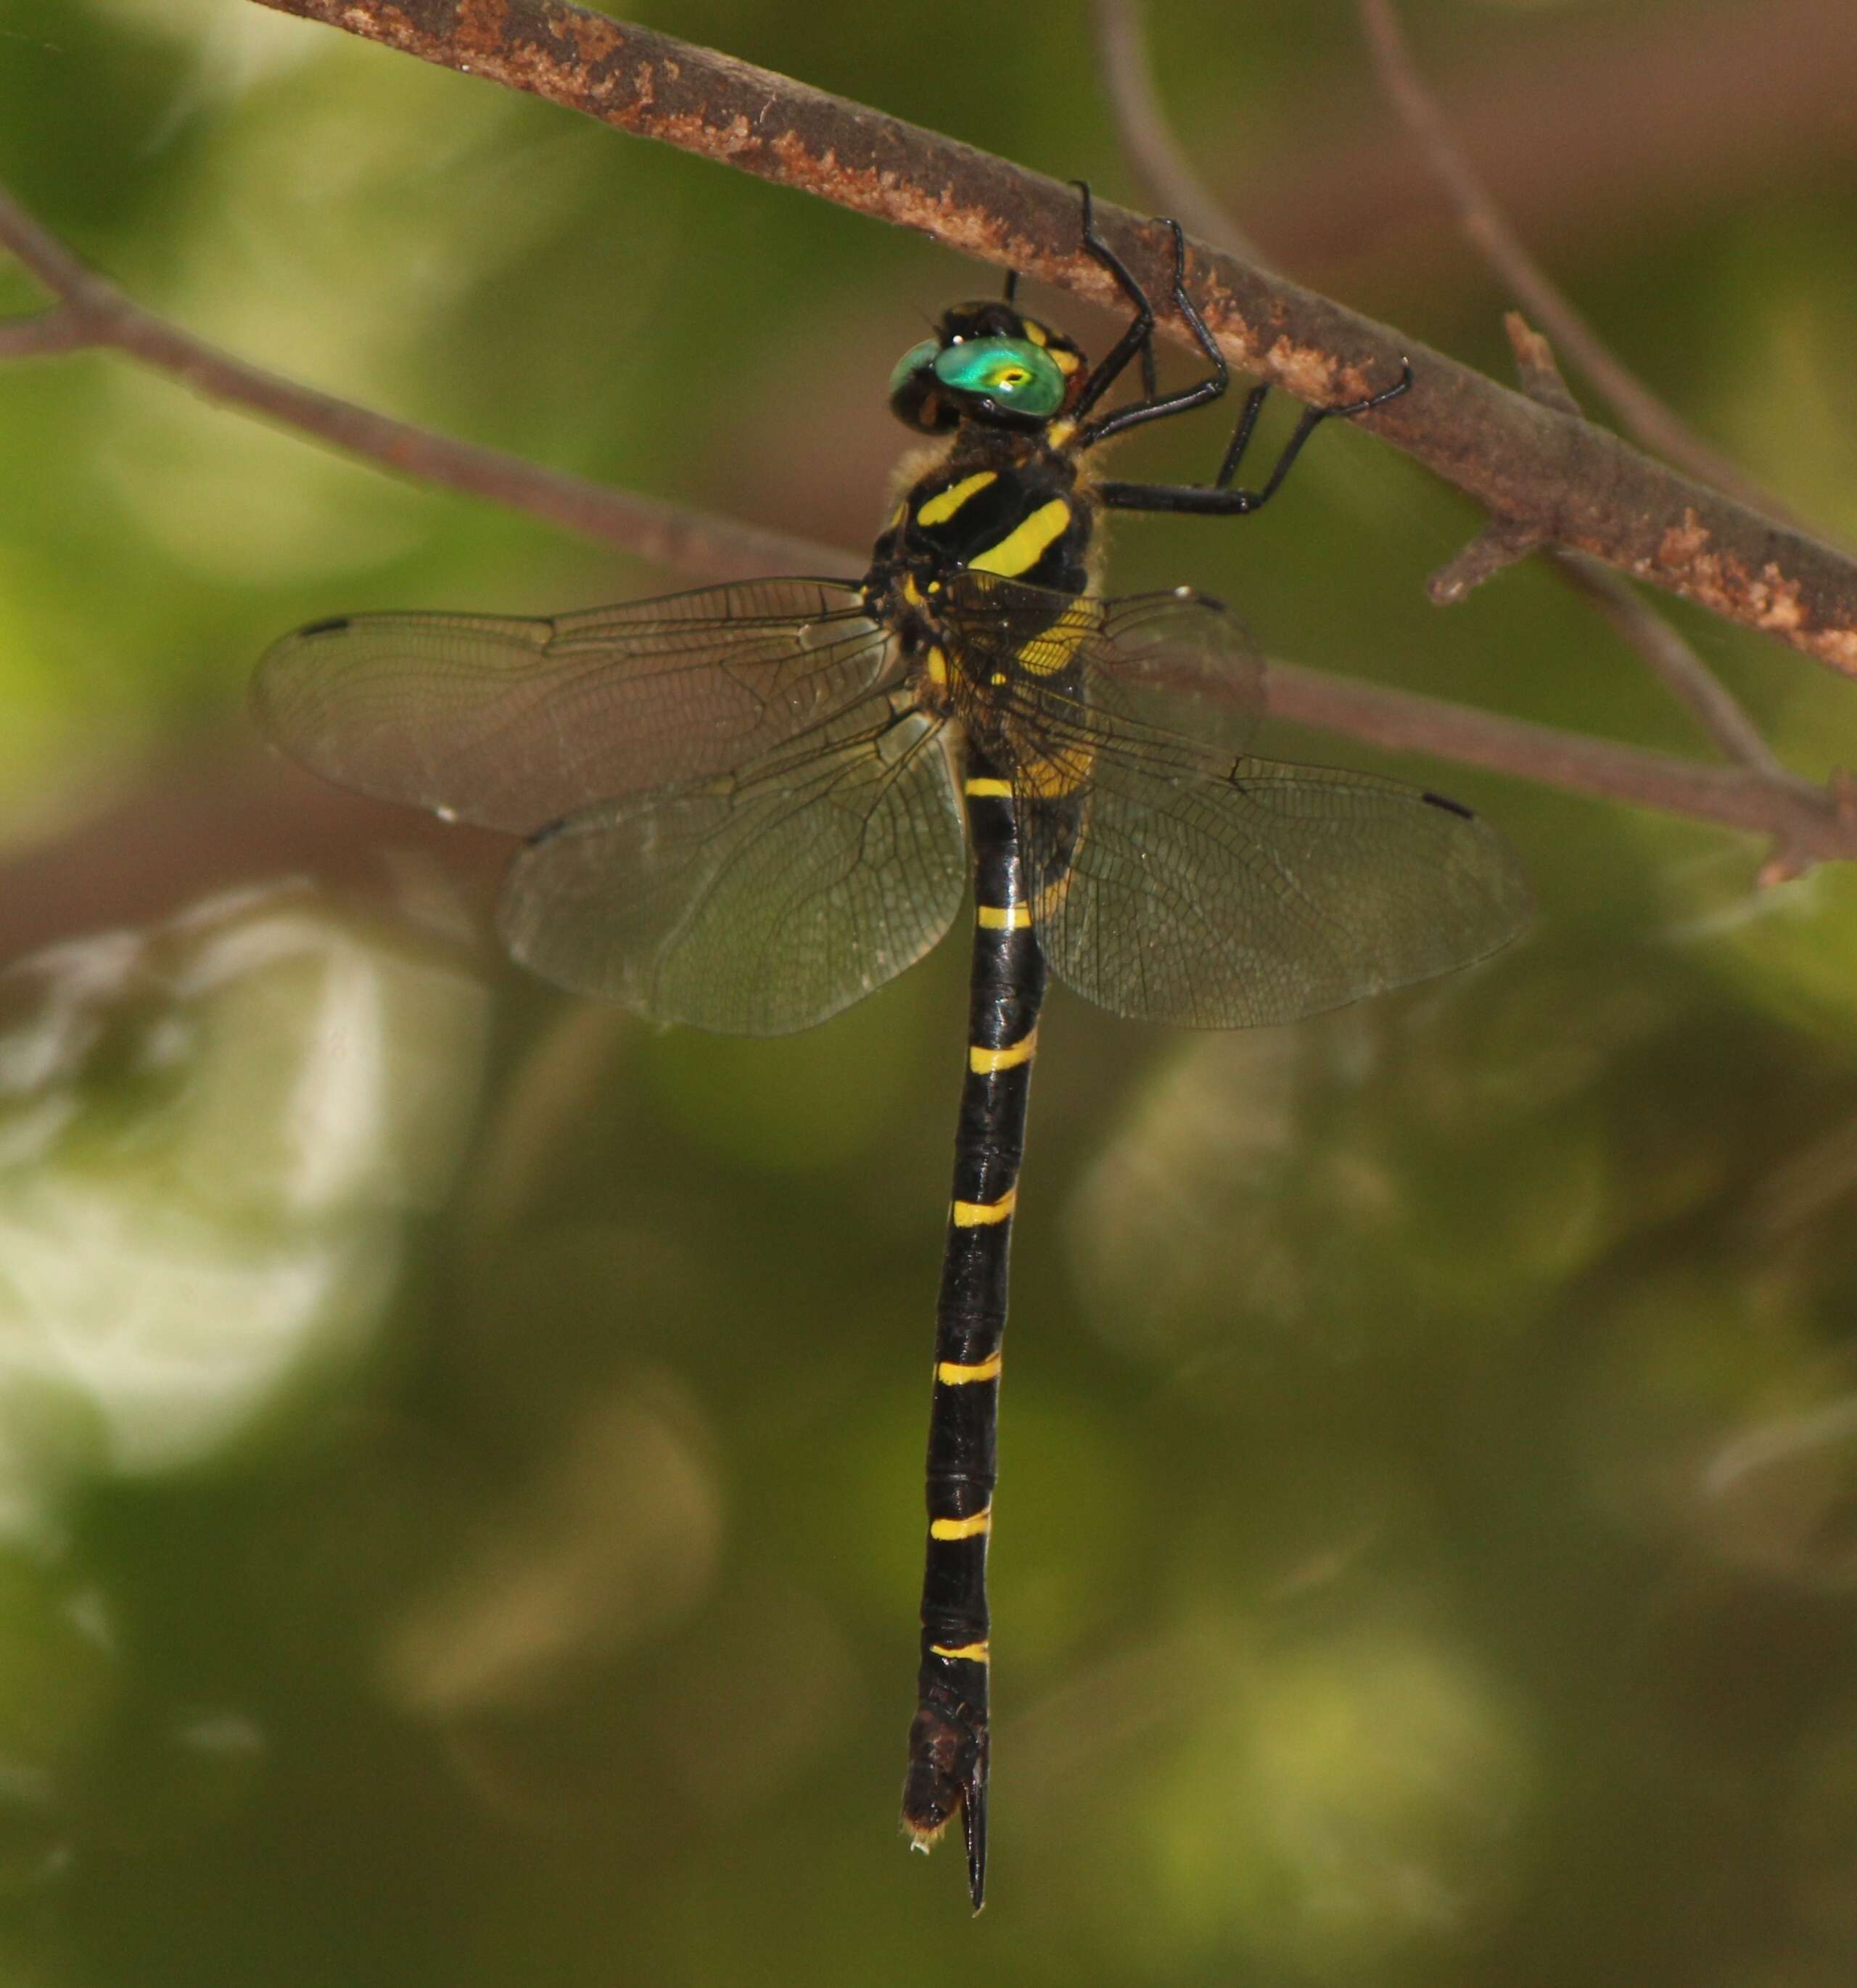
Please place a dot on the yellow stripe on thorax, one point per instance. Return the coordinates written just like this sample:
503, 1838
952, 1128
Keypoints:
943, 506
951, 1373
1022, 548
990, 789
1003, 917
962, 1529
985, 1063
974, 1653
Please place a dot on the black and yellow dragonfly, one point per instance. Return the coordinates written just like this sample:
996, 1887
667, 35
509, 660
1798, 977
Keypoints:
747, 806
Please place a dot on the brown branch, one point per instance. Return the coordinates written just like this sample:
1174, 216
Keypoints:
1503, 541
1675, 664
1669, 657
1487, 229
1815, 826
1592, 125
1671, 661
91, 311
45, 332
1165, 173
1589, 490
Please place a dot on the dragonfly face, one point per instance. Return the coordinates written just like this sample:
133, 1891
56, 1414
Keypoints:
746, 807
987, 363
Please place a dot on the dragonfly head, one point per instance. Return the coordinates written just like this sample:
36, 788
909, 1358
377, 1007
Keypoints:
987, 363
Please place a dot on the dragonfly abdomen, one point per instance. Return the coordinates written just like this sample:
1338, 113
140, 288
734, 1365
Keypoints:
949, 1739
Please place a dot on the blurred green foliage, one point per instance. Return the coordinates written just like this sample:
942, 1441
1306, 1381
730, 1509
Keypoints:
459, 1452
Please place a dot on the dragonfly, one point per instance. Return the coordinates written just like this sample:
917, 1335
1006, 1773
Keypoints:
745, 807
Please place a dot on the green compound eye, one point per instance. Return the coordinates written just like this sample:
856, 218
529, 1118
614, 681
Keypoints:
1011, 372
914, 360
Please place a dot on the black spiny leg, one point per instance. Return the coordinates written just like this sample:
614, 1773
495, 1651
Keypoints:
1138, 340
1153, 407
1218, 499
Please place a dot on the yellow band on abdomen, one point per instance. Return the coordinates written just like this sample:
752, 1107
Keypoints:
951, 1373
962, 1529
977, 1214
986, 1062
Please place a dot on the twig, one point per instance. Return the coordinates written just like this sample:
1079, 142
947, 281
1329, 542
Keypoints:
1817, 826
1503, 541
1670, 657
1588, 489
93, 312
1488, 230
1583, 135
1671, 661
38, 336
1820, 826
1165, 172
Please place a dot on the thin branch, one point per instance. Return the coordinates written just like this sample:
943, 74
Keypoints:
1676, 667
1591, 124
45, 332
1670, 657
1165, 173
1816, 826
93, 312
1671, 661
1503, 541
1589, 490
1488, 228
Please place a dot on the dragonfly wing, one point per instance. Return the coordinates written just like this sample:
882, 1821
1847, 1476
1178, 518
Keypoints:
513, 724
1172, 879
756, 903
1178, 662
1262, 894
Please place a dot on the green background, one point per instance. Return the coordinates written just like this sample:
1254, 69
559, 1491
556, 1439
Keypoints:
459, 1452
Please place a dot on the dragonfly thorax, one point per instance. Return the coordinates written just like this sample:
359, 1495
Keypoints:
997, 502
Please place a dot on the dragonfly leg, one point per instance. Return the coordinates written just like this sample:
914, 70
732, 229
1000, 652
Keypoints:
1138, 340
1218, 499
1153, 406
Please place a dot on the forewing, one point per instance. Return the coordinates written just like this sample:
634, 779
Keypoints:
758, 903
513, 724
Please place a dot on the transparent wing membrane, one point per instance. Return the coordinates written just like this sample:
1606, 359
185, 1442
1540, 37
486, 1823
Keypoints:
740, 823
759, 903
1172, 881
513, 724
1261, 895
